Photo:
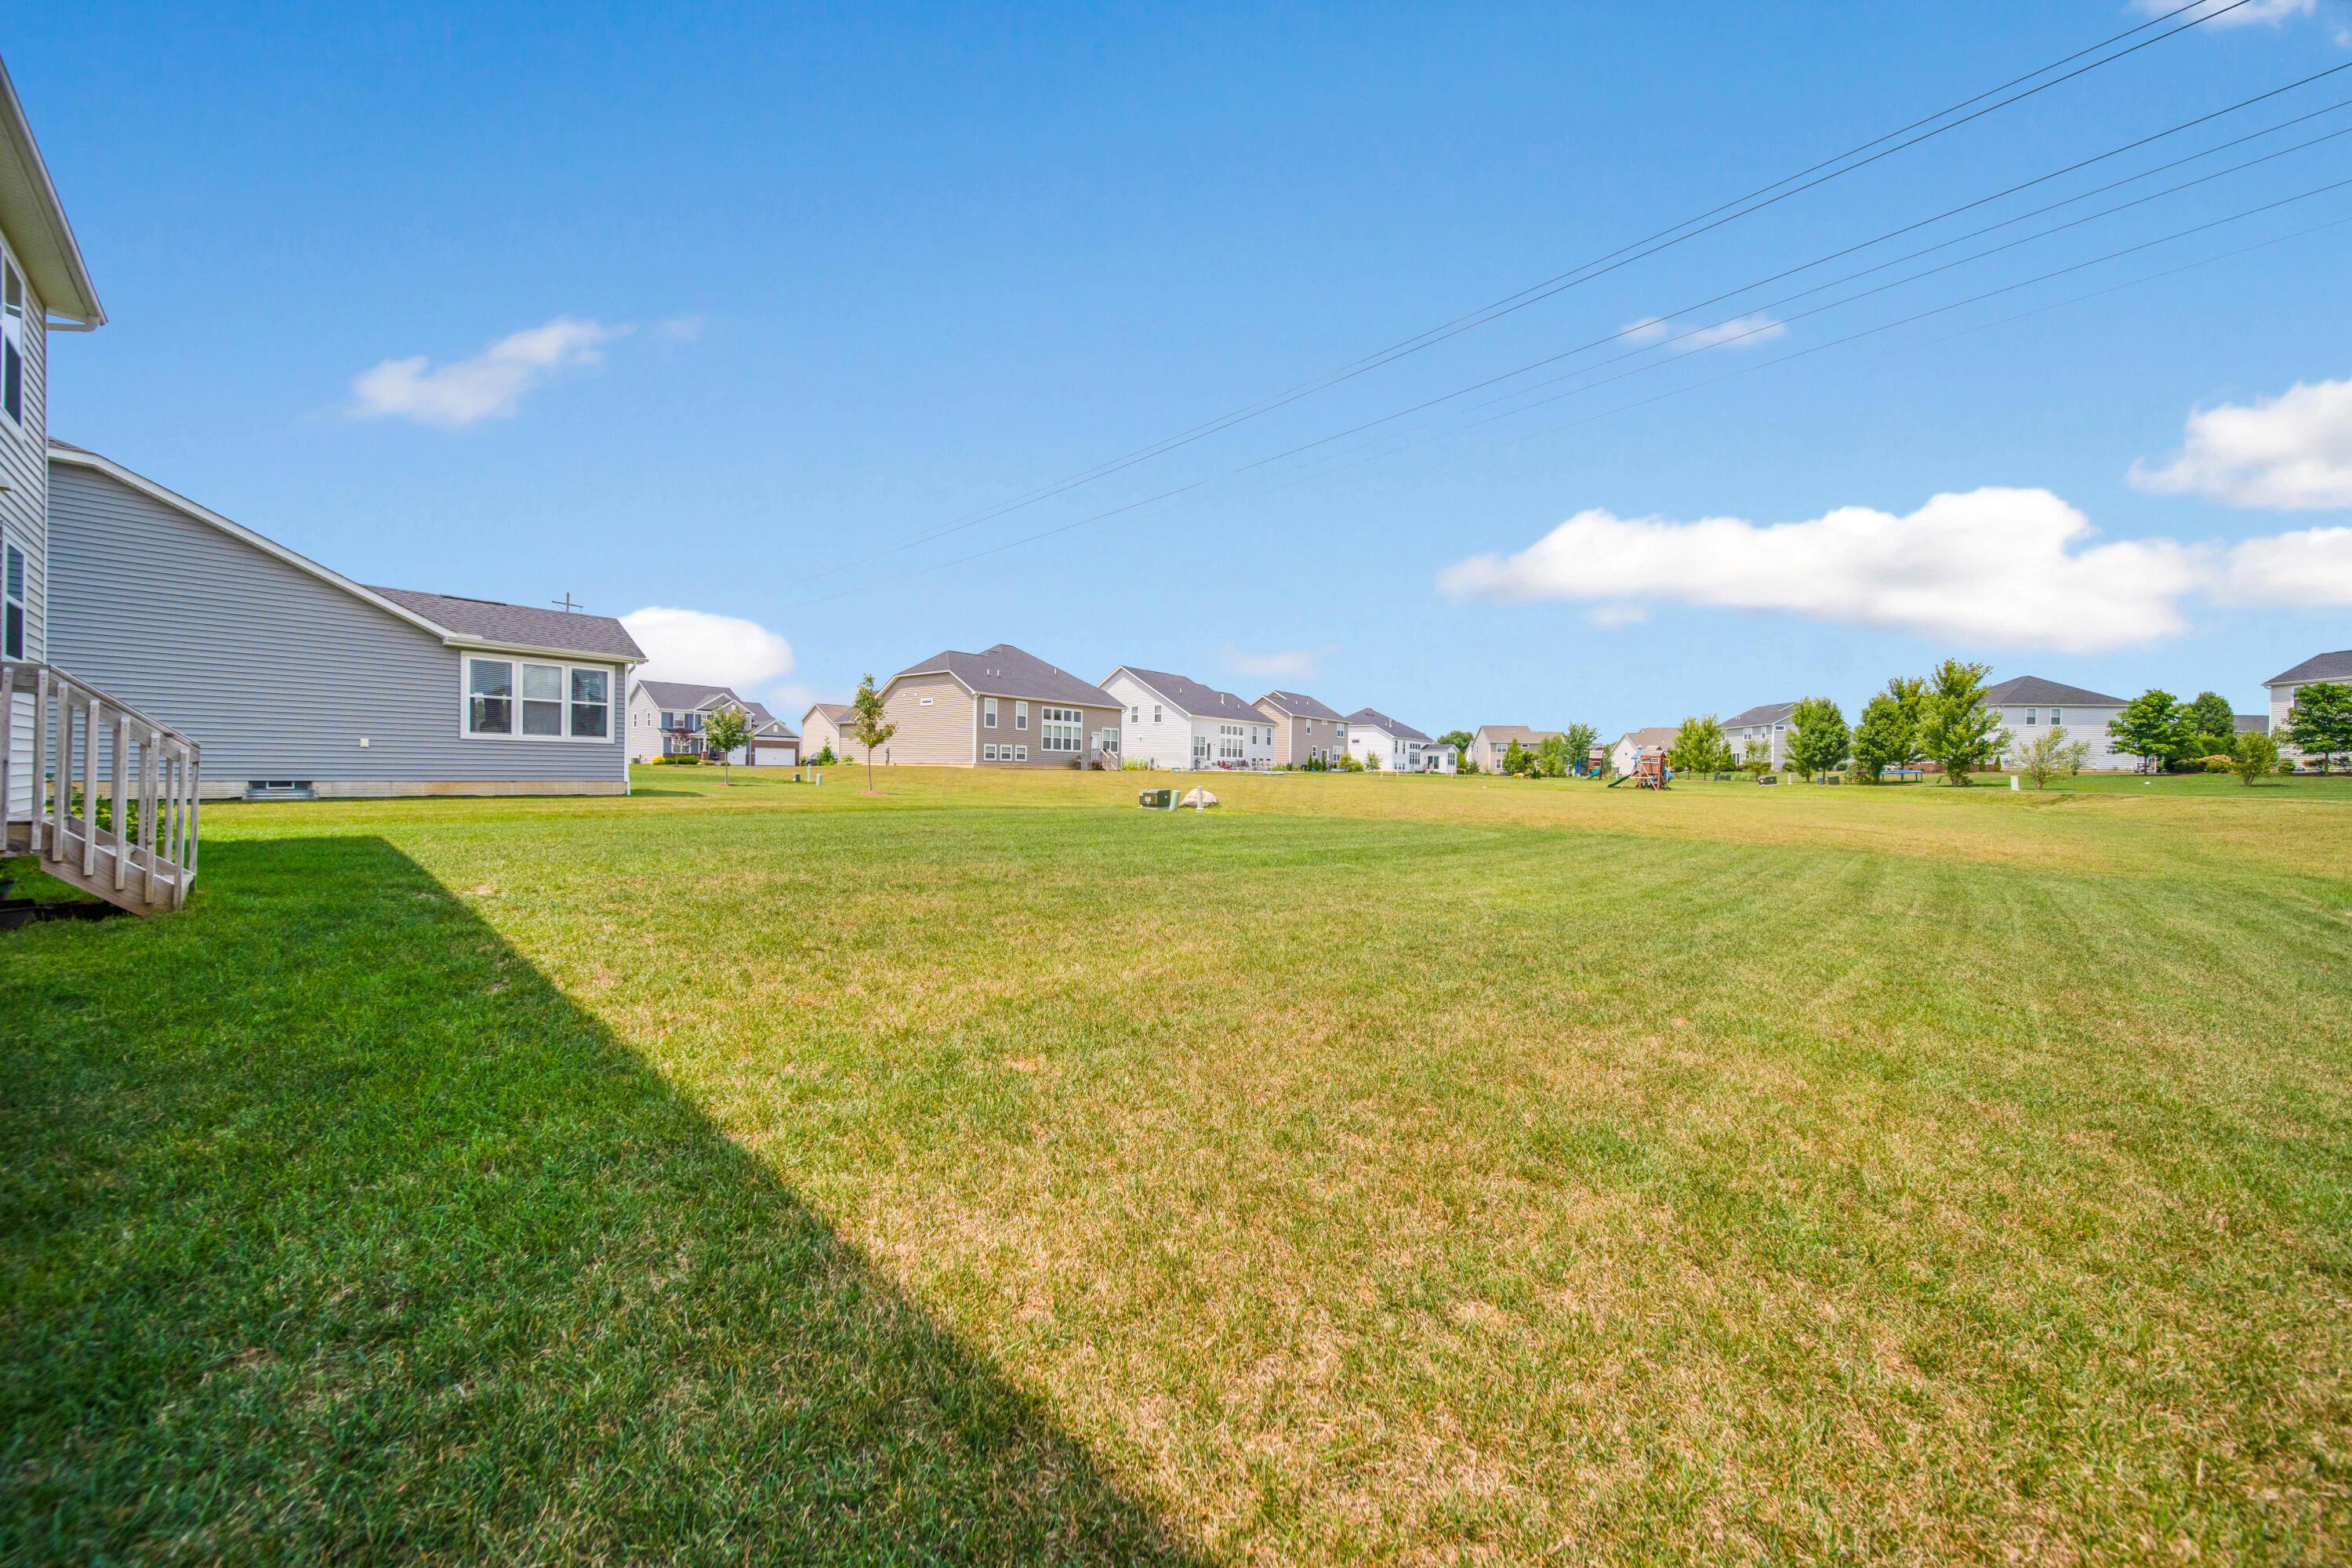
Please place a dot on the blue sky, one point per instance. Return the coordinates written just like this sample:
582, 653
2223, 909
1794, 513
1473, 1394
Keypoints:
780, 290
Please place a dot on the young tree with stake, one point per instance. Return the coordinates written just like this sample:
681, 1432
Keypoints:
871, 731
725, 731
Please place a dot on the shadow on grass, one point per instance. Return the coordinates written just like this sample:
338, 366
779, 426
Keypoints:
329, 1227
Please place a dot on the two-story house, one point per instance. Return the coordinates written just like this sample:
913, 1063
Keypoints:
1174, 722
1767, 723
2029, 707
666, 719
1378, 741
997, 708
2282, 687
1305, 729
1492, 743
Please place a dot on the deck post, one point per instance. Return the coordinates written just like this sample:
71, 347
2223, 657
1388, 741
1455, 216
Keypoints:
121, 800
7, 750
40, 756
61, 765
148, 768
90, 791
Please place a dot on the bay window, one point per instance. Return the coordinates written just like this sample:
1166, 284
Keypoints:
556, 702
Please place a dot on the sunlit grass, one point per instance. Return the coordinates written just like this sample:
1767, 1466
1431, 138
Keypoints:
1371, 1169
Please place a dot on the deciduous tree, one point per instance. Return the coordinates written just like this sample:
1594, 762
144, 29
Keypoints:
1552, 758
2049, 753
724, 731
2153, 727
1580, 739
2256, 756
1700, 747
2320, 722
1957, 732
1817, 737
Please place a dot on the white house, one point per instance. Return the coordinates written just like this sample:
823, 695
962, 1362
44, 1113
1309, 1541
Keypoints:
1376, 739
1628, 747
666, 719
1768, 723
2335, 667
1441, 757
2029, 706
1174, 721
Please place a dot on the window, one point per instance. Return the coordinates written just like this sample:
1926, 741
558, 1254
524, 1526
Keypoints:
1021, 715
12, 340
2056, 716
1155, 709
1020, 753
923, 702
12, 630
2028, 718
489, 697
1059, 730
591, 710
987, 712
988, 752
1135, 715
558, 701
1229, 742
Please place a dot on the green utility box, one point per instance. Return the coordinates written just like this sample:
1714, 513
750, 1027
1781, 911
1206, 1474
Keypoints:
1156, 799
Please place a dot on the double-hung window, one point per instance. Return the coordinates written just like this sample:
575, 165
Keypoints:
1059, 730
2028, 718
988, 752
1021, 715
537, 700
987, 712
12, 628
2057, 718
12, 340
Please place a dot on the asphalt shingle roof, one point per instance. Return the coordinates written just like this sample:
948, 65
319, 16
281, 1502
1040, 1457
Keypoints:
1298, 705
1194, 698
520, 625
839, 712
1768, 713
1528, 739
2318, 667
1379, 721
681, 695
2034, 688
1006, 671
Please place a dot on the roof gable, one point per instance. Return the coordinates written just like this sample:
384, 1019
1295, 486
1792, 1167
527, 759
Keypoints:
1373, 718
1190, 697
2318, 667
686, 694
35, 219
2034, 688
1764, 713
478, 623
1298, 705
1008, 671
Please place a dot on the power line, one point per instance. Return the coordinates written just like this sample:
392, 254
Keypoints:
1715, 217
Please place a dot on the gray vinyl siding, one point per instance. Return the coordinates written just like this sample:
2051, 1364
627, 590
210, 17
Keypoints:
24, 471
274, 672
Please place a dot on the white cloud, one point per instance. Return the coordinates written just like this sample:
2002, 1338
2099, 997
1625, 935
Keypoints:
1289, 664
2272, 11
1609, 617
489, 385
1745, 331
714, 650
2288, 453
2310, 568
1990, 566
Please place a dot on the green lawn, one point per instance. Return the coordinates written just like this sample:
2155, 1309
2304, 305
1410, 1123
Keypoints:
1372, 1170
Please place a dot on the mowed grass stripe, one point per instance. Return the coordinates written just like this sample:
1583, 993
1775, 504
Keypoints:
994, 1171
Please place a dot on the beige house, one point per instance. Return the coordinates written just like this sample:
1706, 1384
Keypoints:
1493, 742
997, 708
833, 724
1305, 729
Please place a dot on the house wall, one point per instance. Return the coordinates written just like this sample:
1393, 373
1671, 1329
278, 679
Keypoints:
935, 716
1775, 735
276, 673
1297, 739
2088, 725
1365, 743
645, 727
24, 473
1150, 727
1256, 739
817, 732
1097, 718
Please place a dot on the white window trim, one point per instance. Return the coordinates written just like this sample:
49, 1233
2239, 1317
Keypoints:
1020, 753
987, 712
988, 752
24, 334
21, 603
611, 674
1020, 715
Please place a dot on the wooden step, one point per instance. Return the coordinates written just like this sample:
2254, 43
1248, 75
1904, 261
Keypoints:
150, 885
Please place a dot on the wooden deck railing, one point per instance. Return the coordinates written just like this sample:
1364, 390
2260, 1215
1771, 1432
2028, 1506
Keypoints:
104, 797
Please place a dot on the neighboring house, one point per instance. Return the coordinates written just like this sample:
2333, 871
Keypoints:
1305, 729
43, 283
2029, 706
2250, 723
1174, 722
1440, 757
1492, 743
1628, 747
2335, 667
1374, 738
830, 725
294, 679
1768, 723
773, 744
997, 708
666, 717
